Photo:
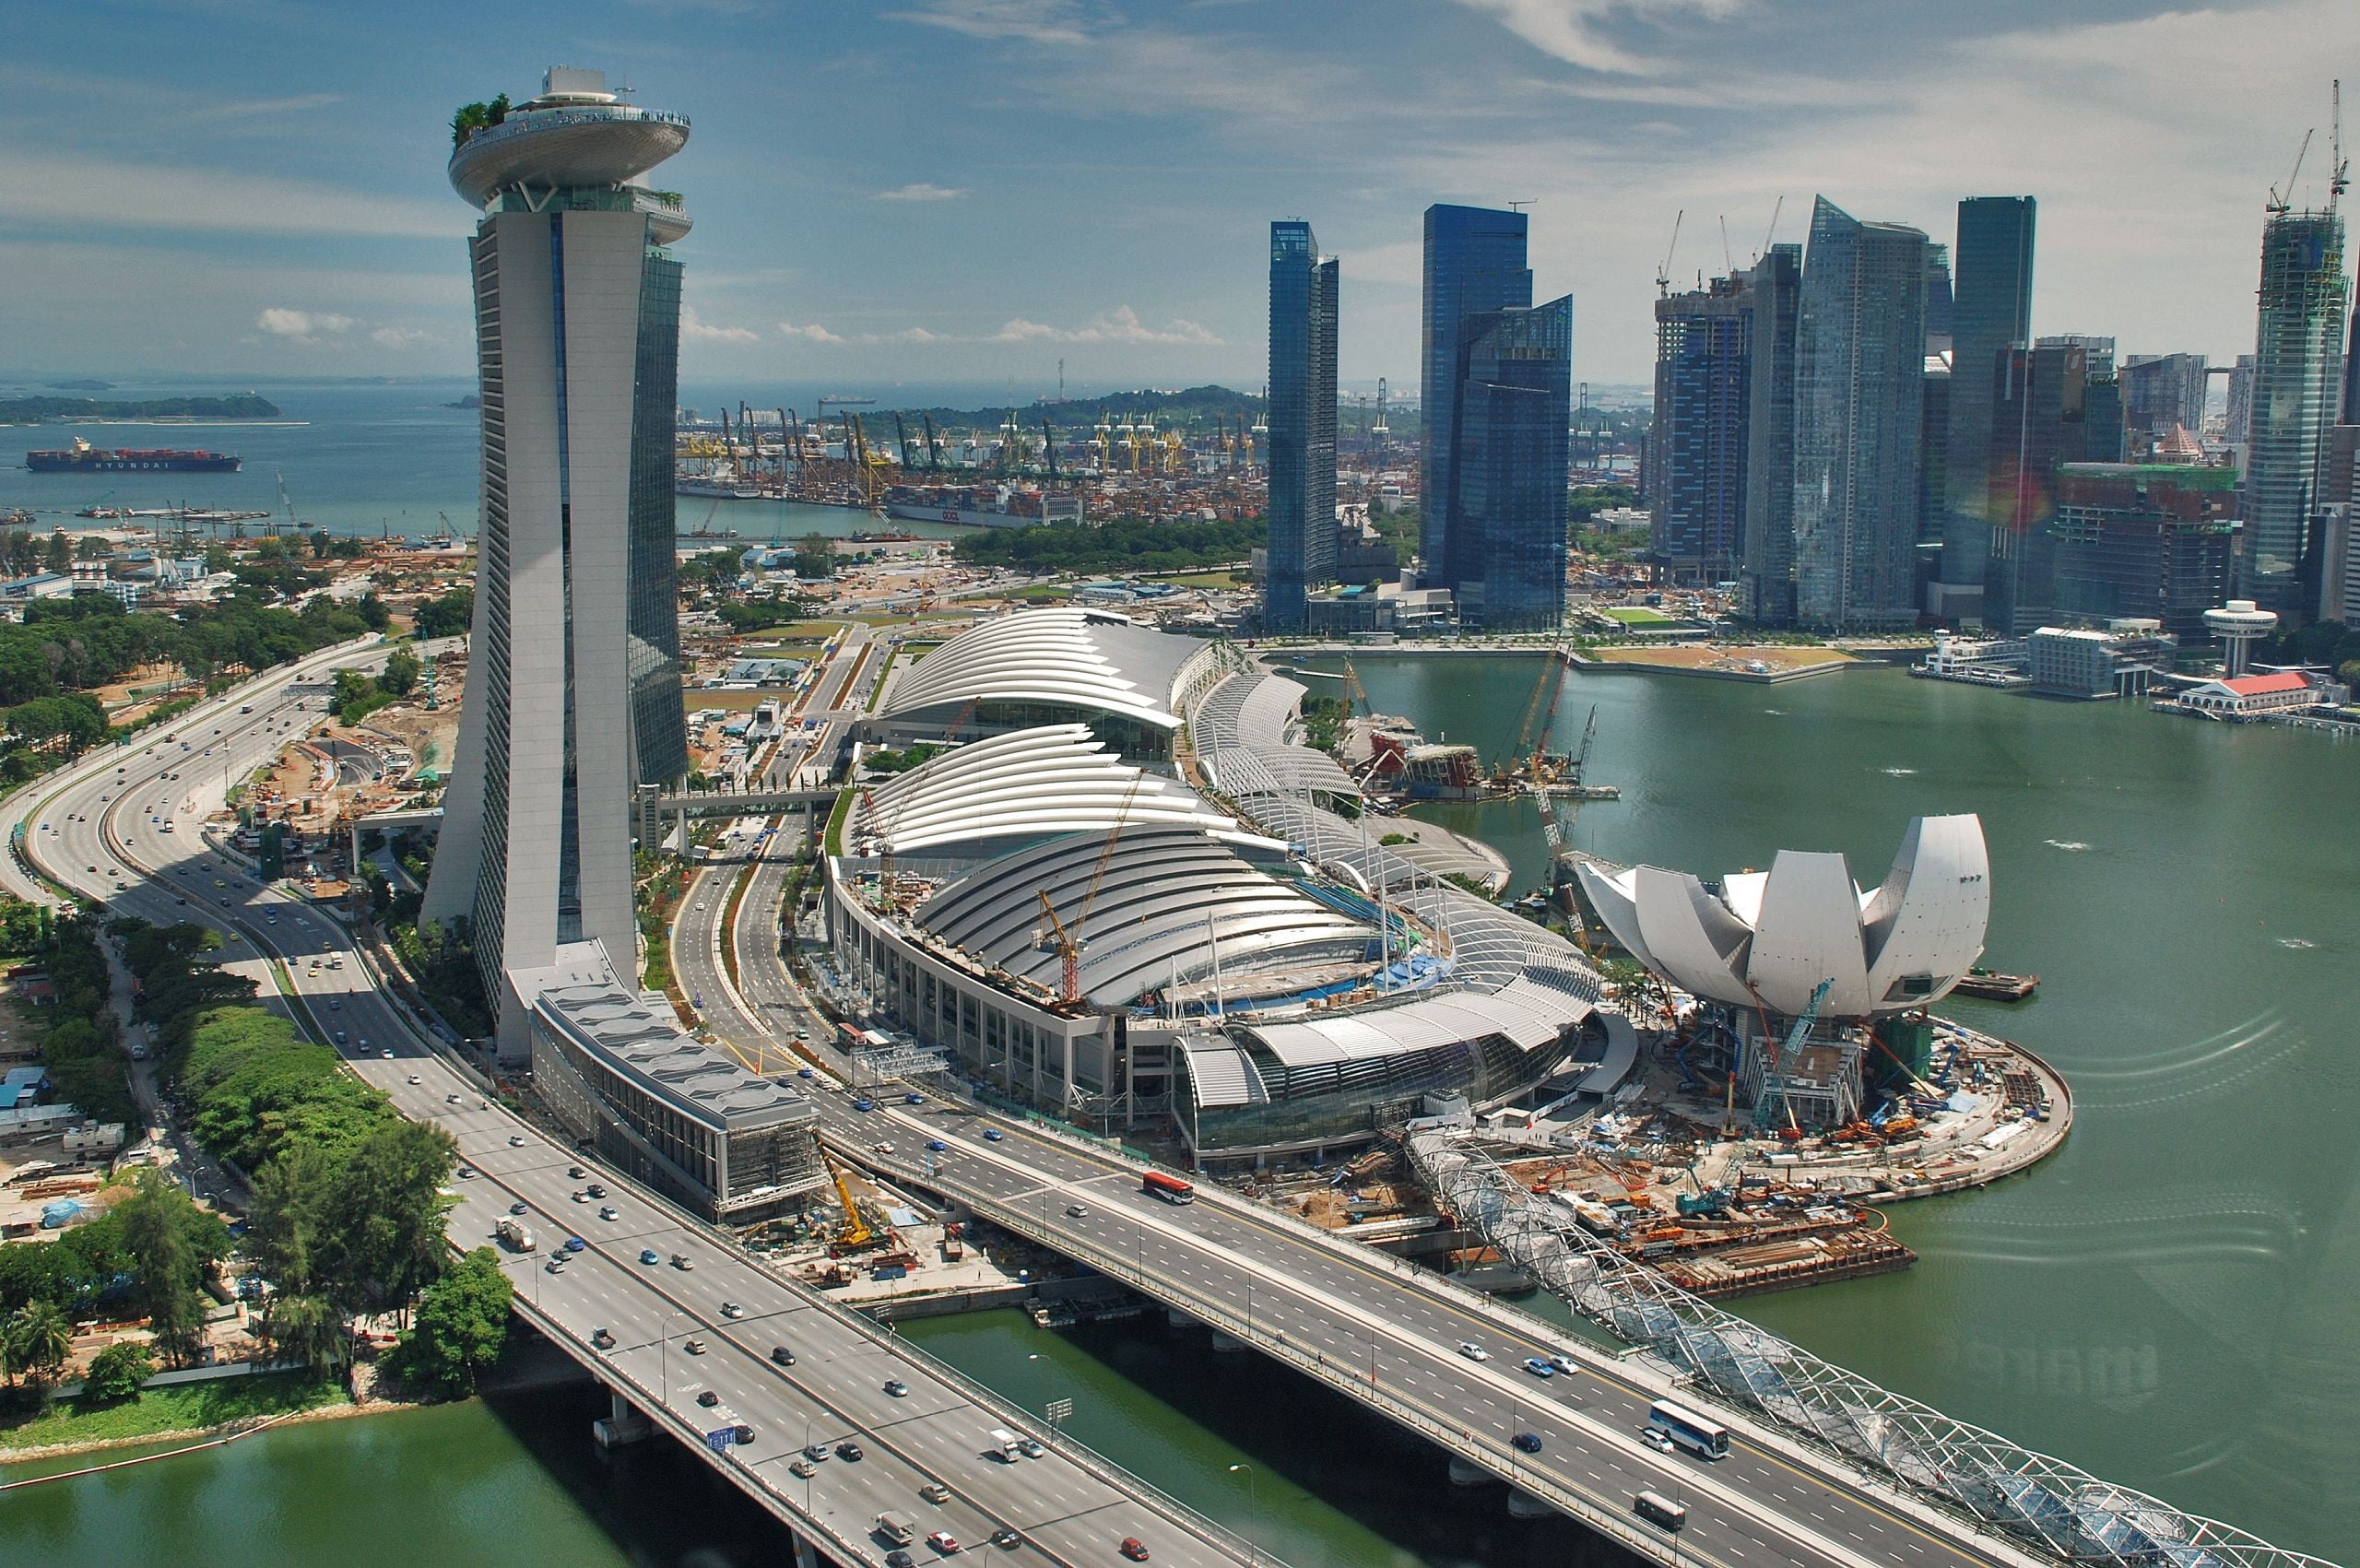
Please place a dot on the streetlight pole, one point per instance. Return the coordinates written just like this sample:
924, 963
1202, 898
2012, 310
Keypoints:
1254, 1507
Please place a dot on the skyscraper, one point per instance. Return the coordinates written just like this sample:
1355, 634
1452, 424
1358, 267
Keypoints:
1474, 263
1696, 469
2162, 393
1858, 407
1767, 580
1991, 313
1513, 437
1302, 424
2298, 365
574, 692
2040, 420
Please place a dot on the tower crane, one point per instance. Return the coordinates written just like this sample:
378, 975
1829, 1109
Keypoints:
2278, 204
1663, 268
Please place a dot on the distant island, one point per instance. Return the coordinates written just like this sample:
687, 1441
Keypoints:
469, 401
83, 386
40, 410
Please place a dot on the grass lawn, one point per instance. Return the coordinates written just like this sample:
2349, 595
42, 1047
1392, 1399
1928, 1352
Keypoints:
1209, 580
181, 1407
1039, 591
1636, 615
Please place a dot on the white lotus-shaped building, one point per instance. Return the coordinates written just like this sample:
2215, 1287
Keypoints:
1769, 939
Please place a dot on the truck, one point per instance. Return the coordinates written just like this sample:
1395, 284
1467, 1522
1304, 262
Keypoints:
516, 1235
899, 1528
1007, 1442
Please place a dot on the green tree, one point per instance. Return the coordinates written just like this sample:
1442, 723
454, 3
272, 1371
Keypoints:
321, 539
815, 558
58, 555
119, 1372
156, 1233
39, 1339
461, 1323
386, 1212
399, 678
93, 546
449, 616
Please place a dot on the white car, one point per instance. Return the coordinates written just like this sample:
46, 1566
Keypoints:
1473, 1351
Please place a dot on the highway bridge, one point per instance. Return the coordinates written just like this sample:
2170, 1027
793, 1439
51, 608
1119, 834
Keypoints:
704, 1316
1403, 1340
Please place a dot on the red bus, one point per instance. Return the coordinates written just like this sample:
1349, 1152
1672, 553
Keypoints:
1170, 1189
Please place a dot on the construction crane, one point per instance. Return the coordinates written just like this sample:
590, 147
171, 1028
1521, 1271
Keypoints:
900, 439
1069, 939
2339, 173
856, 1232
2278, 204
1379, 432
1066, 950
1663, 268
1776, 208
1772, 1098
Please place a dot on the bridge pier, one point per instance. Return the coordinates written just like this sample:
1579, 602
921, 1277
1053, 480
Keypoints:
1226, 1344
1524, 1505
1178, 1318
623, 1427
1465, 1473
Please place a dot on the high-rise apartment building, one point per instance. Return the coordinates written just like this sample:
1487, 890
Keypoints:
1696, 478
1990, 313
2238, 418
2298, 369
1474, 264
1858, 410
1513, 405
1303, 537
1766, 581
574, 692
2162, 393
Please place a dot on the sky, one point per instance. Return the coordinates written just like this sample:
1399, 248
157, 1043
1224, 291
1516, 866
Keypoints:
968, 192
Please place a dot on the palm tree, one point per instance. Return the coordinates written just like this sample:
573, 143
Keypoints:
40, 1337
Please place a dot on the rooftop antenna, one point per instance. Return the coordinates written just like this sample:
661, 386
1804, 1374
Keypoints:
2279, 203
1772, 235
1519, 206
1663, 268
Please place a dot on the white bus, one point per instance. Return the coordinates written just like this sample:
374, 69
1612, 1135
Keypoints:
1707, 1439
1660, 1511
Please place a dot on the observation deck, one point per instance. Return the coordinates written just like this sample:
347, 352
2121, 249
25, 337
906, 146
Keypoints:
573, 139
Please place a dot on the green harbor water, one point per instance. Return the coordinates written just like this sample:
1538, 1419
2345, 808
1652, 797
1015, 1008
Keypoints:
2173, 1302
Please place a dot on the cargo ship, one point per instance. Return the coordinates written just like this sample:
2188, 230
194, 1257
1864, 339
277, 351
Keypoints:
84, 458
980, 506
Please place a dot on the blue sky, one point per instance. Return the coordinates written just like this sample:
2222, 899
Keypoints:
966, 191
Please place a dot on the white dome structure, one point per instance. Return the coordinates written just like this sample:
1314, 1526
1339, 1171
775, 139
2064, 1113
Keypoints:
1769, 939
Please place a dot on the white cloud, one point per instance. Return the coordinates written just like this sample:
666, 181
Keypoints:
1571, 31
38, 187
301, 327
919, 192
696, 331
1121, 325
1033, 21
255, 107
400, 337
814, 333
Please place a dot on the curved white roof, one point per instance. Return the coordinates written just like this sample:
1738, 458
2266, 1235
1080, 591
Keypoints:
1030, 783
1776, 937
1078, 658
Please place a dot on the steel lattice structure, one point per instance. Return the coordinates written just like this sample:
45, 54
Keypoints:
2046, 1504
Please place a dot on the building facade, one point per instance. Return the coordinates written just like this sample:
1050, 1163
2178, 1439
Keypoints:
2039, 421
2144, 540
1508, 476
1474, 264
577, 694
1858, 412
1990, 313
2162, 393
2297, 380
1696, 475
1767, 577
1303, 539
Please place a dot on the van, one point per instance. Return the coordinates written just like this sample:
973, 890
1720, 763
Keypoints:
899, 1528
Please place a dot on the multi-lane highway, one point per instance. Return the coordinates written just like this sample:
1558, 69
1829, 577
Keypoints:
815, 1384
1397, 1337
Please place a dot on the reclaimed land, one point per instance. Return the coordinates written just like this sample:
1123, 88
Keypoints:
1718, 661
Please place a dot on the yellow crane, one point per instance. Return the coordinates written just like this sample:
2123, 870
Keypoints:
856, 1232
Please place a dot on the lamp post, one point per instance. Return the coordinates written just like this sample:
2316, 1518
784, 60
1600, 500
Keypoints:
1254, 1509
664, 1356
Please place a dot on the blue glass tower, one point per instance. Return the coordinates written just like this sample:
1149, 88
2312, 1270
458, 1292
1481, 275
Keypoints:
1302, 554
1475, 264
1513, 437
1990, 313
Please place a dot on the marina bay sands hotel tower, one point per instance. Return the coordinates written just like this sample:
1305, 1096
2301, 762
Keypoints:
574, 688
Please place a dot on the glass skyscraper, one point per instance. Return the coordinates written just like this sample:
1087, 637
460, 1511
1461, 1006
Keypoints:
1990, 313
2297, 367
1302, 550
1514, 440
1768, 581
574, 692
1474, 263
1858, 412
